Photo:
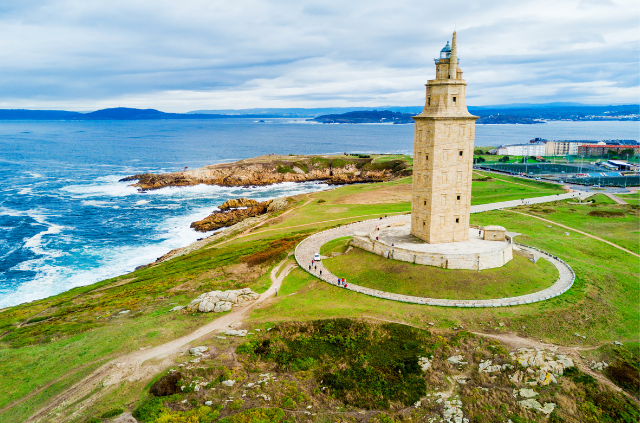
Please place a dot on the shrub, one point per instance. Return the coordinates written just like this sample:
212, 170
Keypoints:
377, 364
150, 409
289, 403
93, 420
166, 386
256, 415
285, 169
320, 201
112, 413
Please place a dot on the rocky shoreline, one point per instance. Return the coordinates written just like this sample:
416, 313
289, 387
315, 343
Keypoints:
235, 211
267, 170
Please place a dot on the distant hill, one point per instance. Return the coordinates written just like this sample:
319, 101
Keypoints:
366, 116
509, 113
386, 116
118, 113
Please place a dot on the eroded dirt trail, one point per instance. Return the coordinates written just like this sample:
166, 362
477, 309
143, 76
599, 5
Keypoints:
143, 365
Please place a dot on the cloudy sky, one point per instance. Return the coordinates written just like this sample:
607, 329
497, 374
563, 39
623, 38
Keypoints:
208, 54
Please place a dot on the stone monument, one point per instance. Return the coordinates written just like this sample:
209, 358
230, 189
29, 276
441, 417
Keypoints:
443, 156
437, 233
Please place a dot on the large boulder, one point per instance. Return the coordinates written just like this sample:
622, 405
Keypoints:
222, 306
279, 203
206, 306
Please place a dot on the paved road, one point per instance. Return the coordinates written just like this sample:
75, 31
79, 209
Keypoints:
308, 247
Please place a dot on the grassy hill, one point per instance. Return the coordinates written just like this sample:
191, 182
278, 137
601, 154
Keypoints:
48, 345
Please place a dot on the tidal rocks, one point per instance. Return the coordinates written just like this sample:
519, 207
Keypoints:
219, 301
237, 203
220, 219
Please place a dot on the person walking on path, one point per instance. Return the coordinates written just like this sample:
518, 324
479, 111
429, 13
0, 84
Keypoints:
320, 272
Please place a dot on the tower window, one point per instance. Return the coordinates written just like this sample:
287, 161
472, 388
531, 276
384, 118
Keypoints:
458, 198
427, 157
460, 153
428, 101
454, 99
457, 220
425, 203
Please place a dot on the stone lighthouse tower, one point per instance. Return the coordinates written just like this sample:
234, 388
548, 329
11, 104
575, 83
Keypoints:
443, 156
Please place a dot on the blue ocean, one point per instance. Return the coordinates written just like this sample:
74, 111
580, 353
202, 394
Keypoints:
66, 221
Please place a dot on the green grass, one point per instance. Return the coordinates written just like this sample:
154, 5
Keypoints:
506, 188
630, 198
623, 231
85, 328
386, 158
73, 333
519, 276
338, 245
601, 304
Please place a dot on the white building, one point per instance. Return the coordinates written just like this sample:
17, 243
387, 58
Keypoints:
531, 149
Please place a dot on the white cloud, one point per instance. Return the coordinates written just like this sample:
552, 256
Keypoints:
201, 54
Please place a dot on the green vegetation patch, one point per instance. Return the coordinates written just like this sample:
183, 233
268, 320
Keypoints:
519, 276
256, 415
606, 213
338, 245
365, 366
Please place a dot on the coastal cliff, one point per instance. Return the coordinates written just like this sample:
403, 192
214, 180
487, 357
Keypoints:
267, 170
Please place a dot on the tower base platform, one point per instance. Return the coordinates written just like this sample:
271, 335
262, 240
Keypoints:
394, 241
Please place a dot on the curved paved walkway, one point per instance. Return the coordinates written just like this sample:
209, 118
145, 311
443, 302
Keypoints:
306, 249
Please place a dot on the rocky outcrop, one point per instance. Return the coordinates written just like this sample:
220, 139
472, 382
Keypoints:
544, 366
266, 171
221, 219
219, 301
237, 203
279, 203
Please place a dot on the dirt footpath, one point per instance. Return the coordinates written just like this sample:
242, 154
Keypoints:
143, 365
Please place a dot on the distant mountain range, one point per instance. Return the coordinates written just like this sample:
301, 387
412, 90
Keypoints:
119, 113
508, 113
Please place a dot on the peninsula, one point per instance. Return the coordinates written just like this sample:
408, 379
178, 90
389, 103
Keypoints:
273, 169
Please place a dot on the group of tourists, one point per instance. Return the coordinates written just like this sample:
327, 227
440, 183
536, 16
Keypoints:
341, 281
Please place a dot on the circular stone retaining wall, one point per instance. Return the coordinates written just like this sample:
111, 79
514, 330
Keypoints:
308, 247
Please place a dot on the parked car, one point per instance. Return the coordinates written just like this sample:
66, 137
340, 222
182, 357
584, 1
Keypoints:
316, 257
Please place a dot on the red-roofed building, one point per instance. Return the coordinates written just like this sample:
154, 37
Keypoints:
602, 149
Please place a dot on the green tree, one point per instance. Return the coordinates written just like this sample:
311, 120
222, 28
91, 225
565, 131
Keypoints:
627, 152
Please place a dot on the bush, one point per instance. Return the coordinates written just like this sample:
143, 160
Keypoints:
256, 415
93, 420
366, 366
320, 201
150, 409
112, 413
166, 386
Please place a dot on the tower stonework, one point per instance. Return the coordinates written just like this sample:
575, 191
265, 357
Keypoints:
443, 156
